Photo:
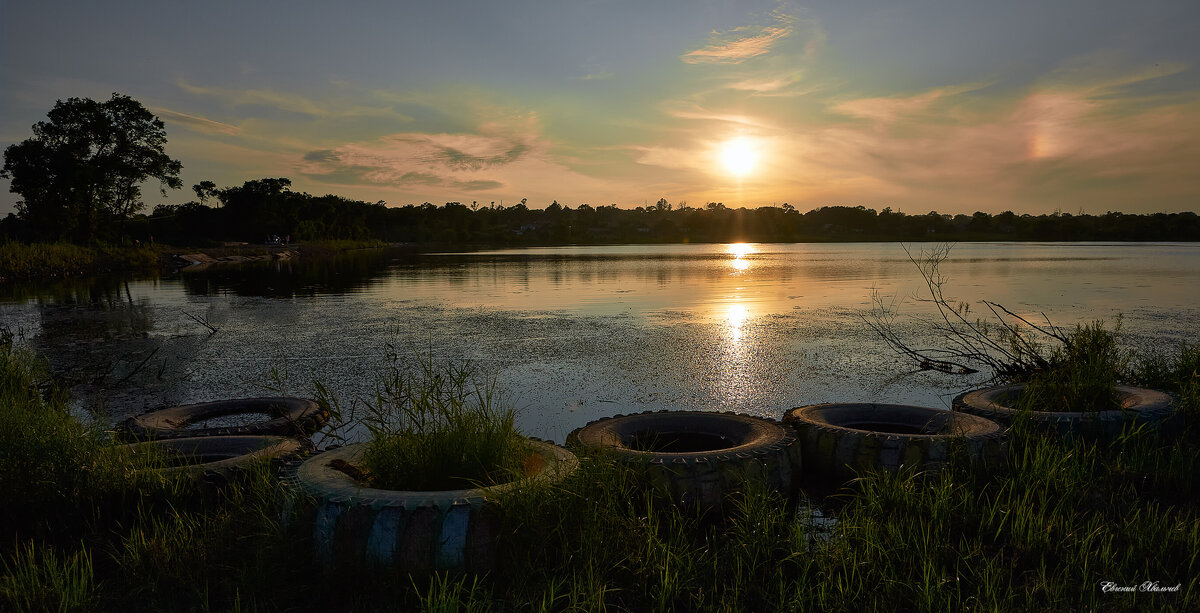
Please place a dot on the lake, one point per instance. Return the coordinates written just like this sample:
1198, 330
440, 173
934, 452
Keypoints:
571, 334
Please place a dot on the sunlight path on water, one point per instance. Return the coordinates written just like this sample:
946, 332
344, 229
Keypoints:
572, 334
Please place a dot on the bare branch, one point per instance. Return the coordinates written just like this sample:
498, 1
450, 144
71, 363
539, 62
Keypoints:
203, 322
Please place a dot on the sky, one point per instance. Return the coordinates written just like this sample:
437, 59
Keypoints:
954, 106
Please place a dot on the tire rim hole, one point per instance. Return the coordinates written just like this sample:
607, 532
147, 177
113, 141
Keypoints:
678, 442
890, 428
231, 420
188, 459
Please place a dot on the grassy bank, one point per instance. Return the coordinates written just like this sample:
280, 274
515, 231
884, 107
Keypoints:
1044, 534
21, 261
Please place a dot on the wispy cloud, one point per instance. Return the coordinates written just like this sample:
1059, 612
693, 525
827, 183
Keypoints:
692, 110
194, 122
737, 45
891, 108
1060, 143
353, 103
266, 97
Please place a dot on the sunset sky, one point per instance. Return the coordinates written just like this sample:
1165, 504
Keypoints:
951, 106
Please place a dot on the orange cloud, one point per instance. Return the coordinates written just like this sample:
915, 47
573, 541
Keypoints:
736, 46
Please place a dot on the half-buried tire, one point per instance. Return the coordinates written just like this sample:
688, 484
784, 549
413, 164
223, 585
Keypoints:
218, 457
840, 440
1138, 405
698, 456
412, 530
278, 416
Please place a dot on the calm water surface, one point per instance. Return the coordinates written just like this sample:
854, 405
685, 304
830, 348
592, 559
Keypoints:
576, 333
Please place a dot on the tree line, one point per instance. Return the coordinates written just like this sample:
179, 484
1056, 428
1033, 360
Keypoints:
79, 178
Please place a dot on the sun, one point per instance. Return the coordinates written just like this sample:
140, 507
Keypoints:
739, 156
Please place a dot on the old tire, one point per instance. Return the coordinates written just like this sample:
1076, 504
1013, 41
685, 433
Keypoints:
1138, 405
285, 416
840, 440
219, 457
698, 456
415, 531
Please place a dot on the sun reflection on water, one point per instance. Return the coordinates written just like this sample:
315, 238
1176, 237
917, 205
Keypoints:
737, 316
739, 251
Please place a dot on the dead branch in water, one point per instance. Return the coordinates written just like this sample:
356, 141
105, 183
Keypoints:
139, 367
1008, 346
203, 322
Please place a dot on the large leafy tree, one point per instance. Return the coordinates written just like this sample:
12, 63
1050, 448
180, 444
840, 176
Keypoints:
84, 167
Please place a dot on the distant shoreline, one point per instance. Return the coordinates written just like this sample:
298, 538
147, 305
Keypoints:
25, 262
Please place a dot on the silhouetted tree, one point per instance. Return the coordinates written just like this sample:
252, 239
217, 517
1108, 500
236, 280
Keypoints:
84, 167
205, 190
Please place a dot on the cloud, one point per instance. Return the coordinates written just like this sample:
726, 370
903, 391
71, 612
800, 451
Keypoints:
193, 122
785, 57
471, 152
738, 45
480, 185
692, 110
892, 108
1061, 144
364, 103
468, 162
400, 159
265, 97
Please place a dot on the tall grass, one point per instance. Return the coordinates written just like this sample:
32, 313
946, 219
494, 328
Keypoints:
434, 428
1041, 534
1082, 373
85, 525
1178, 373
38, 579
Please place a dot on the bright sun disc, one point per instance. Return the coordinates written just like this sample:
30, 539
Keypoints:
738, 156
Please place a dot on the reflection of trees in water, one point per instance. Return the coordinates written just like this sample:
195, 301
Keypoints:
94, 331
99, 310
301, 277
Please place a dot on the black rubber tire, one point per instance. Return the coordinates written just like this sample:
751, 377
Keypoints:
291, 417
842, 439
220, 458
1139, 405
731, 449
415, 531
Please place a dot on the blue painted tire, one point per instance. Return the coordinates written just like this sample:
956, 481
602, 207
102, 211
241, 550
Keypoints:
415, 531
